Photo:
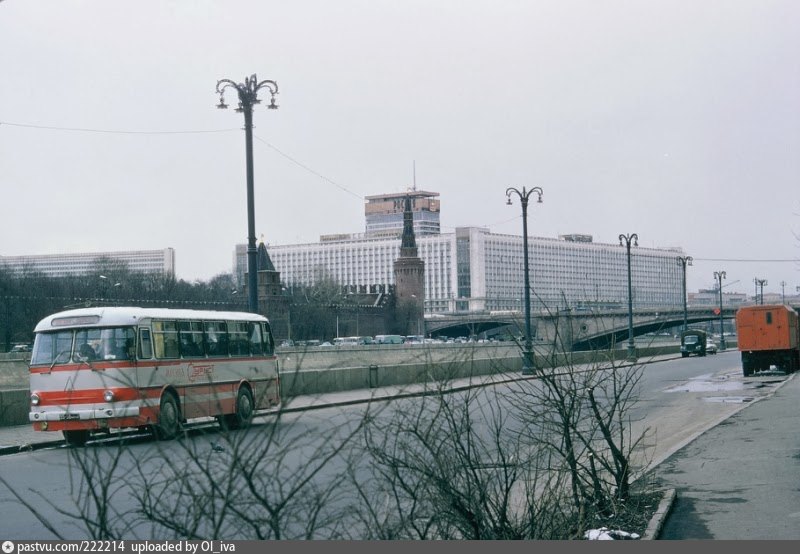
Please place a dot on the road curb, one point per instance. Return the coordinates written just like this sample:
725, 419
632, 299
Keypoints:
658, 519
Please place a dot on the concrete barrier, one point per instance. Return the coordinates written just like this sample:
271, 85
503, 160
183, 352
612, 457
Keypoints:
319, 371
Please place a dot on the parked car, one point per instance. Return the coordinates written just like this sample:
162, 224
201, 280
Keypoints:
21, 348
711, 347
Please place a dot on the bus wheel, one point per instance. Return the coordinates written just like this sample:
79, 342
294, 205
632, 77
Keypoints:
76, 438
244, 410
169, 418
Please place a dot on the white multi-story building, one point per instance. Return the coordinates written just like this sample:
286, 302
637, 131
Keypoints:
59, 265
473, 269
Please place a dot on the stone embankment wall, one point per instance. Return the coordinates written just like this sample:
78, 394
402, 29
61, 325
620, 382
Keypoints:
321, 370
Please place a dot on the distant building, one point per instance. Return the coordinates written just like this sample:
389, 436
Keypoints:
383, 213
160, 262
473, 269
710, 297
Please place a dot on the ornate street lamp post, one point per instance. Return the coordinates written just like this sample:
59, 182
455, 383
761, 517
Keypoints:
625, 240
719, 276
683, 261
527, 354
248, 97
760, 284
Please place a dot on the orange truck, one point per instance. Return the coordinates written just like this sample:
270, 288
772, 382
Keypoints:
768, 335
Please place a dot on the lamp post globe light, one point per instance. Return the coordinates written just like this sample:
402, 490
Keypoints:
719, 276
626, 240
683, 261
248, 97
524, 195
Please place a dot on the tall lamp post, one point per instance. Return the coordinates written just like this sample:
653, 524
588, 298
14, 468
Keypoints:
625, 240
783, 292
760, 285
683, 261
719, 276
248, 97
524, 195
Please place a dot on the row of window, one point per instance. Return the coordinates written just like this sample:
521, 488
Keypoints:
164, 340
200, 339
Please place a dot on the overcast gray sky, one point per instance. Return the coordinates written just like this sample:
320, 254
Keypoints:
676, 120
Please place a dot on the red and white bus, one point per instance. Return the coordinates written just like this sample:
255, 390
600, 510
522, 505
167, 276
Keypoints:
97, 369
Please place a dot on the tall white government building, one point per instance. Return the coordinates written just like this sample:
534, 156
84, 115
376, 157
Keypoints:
473, 269
60, 265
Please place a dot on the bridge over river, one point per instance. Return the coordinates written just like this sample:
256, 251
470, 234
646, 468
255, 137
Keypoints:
573, 329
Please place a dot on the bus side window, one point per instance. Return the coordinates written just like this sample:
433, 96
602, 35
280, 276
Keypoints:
191, 339
256, 343
165, 339
145, 344
238, 342
269, 343
216, 338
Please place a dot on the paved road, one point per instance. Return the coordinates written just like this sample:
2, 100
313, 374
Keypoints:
739, 480
742, 468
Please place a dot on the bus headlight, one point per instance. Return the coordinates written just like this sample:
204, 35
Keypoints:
108, 396
35, 399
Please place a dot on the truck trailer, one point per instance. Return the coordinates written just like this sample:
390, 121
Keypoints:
768, 335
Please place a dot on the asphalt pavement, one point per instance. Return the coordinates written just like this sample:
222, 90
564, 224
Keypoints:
737, 480
740, 479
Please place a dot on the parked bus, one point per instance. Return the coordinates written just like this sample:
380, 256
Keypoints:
97, 369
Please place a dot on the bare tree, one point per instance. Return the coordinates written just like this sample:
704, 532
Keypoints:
449, 466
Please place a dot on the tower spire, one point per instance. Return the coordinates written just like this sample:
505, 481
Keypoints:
408, 244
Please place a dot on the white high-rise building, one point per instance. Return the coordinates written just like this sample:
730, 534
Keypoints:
76, 263
473, 269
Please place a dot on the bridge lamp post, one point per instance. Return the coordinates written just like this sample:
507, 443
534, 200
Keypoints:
626, 240
248, 97
719, 276
524, 195
683, 261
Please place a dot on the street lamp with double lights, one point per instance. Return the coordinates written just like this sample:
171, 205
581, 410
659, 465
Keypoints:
683, 261
626, 240
719, 276
248, 97
524, 195
760, 284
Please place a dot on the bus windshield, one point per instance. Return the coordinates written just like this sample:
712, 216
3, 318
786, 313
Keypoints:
78, 345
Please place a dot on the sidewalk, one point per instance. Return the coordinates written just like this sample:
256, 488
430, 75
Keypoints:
739, 480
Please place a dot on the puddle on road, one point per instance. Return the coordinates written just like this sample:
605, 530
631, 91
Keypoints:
729, 399
725, 382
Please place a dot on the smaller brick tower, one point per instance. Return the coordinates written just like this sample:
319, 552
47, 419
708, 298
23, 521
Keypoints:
409, 279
